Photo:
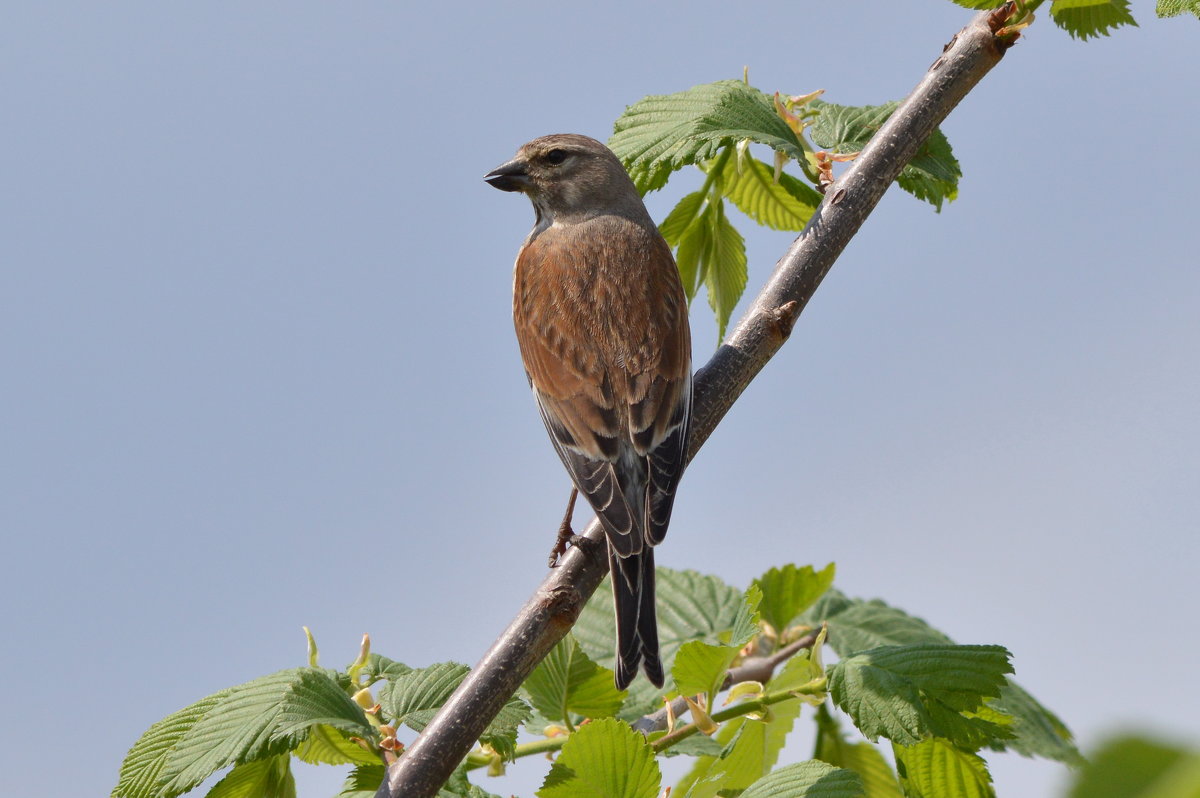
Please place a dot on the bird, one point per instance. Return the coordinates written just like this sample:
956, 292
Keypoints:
602, 325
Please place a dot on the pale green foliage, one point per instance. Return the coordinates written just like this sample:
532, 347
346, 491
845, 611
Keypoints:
1134, 767
1088, 18
789, 591
260, 778
568, 682
935, 767
605, 758
750, 747
1173, 8
710, 126
1085, 18
898, 678
810, 779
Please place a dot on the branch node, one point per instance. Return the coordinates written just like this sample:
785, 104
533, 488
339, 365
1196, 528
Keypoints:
783, 318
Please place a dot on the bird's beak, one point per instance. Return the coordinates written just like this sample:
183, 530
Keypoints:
509, 177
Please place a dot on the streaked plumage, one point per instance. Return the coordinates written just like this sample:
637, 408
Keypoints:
601, 319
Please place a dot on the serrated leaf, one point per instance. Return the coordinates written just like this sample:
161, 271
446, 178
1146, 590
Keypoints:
810, 779
907, 693
662, 133
936, 768
725, 273
459, 786
696, 745
789, 591
786, 204
568, 681
501, 733
243, 726
1089, 18
681, 217
933, 173
751, 747
604, 758
329, 746
879, 780
263, 778
700, 667
144, 763
1137, 767
1173, 8
979, 5
380, 667
363, 782
856, 625
1036, 730
315, 698
413, 698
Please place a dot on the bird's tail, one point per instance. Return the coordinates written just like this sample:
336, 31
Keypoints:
637, 626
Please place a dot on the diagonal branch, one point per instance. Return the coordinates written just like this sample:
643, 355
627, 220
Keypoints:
554, 607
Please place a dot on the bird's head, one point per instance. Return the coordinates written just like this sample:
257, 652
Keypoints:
568, 176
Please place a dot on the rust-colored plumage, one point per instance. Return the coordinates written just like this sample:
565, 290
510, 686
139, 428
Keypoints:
601, 319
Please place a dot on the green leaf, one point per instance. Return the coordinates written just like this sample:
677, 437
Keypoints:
935, 768
933, 173
255, 720
1173, 8
856, 625
380, 667
1135, 767
662, 133
789, 591
363, 782
263, 778
725, 273
700, 667
907, 693
501, 733
326, 745
604, 758
1036, 730
144, 763
879, 780
751, 747
784, 205
681, 217
568, 681
810, 779
415, 697
459, 786
315, 698
1087, 18
696, 745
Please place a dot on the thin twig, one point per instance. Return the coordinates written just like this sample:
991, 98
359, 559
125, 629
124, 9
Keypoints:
554, 607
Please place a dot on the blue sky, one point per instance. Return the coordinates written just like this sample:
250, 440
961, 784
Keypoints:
259, 369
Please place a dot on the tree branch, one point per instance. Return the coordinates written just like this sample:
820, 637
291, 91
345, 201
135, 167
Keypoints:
554, 607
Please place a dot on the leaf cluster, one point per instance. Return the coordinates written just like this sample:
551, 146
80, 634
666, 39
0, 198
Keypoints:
939, 705
711, 127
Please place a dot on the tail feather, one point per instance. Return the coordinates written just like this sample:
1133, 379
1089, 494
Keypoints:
637, 626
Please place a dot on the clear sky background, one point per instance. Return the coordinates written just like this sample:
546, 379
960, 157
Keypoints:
259, 372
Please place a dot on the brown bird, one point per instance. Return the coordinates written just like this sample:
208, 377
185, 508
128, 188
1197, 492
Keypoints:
602, 324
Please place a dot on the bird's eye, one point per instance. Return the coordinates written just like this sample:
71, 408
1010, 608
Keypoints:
555, 157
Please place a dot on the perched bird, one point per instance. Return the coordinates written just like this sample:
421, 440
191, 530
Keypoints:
602, 324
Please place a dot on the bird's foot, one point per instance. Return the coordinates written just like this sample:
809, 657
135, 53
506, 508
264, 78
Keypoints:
567, 537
